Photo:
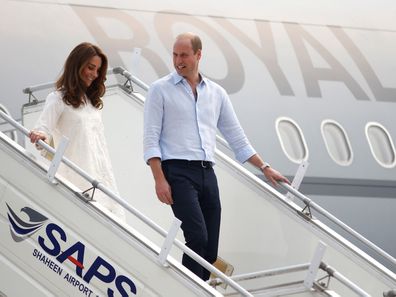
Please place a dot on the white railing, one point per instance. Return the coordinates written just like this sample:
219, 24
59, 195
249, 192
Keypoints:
300, 267
132, 210
309, 203
342, 279
129, 76
312, 269
5, 127
115, 70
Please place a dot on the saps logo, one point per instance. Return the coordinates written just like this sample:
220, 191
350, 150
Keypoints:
50, 242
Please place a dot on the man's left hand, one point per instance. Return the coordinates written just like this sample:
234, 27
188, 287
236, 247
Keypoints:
274, 176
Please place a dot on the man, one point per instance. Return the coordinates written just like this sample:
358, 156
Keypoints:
182, 113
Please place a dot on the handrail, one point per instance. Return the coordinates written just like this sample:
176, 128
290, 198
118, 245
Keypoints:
129, 76
131, 209
295, 268
30, 90
309, 203
115, 70
222, 141
264, 273
341, 278
13, 133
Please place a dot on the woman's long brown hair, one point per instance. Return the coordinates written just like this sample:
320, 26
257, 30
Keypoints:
70, 82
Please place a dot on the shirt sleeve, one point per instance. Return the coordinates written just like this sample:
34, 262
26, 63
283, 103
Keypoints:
232, 131
49, 117
153, 114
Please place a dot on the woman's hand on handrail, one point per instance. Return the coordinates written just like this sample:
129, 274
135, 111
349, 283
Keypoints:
35, 136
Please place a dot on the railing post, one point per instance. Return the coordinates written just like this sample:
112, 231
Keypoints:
57, 159
297, 180
170, 238
136, 58
315, 264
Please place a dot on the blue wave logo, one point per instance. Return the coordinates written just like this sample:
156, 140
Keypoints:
20, 229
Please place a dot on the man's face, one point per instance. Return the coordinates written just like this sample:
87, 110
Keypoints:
184, 59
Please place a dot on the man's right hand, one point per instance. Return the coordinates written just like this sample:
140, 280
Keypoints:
163, 190
162, 187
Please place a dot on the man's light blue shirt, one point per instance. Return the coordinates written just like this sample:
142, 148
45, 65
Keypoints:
176, 126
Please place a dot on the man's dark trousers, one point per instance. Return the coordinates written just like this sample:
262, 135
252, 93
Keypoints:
196, 203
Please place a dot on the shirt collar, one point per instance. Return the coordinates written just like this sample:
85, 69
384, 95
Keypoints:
178, 78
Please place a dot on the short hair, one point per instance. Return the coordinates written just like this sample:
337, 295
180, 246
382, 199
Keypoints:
196, 42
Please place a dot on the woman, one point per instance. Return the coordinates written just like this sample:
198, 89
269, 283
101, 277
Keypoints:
74, 110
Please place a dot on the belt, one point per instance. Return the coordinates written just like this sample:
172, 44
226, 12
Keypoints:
197, 163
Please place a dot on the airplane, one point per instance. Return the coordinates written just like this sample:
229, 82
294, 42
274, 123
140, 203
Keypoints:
311, 83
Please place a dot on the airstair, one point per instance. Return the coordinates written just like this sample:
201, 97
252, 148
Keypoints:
58, 242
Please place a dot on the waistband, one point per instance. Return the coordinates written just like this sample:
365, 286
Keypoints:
195, 163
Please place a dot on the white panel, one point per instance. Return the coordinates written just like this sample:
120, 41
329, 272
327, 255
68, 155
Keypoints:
22, 283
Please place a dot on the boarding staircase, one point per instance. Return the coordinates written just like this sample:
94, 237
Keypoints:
57, 241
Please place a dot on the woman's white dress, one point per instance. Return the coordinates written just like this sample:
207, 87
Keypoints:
87, 147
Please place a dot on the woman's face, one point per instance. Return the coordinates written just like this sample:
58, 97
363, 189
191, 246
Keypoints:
90, 71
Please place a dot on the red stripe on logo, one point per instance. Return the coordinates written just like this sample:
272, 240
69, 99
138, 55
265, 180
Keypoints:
75, 262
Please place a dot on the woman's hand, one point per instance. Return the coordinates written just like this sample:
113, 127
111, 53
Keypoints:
36, 136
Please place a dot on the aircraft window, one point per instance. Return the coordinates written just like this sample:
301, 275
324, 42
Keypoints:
381, 145
337, 142
292, 140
